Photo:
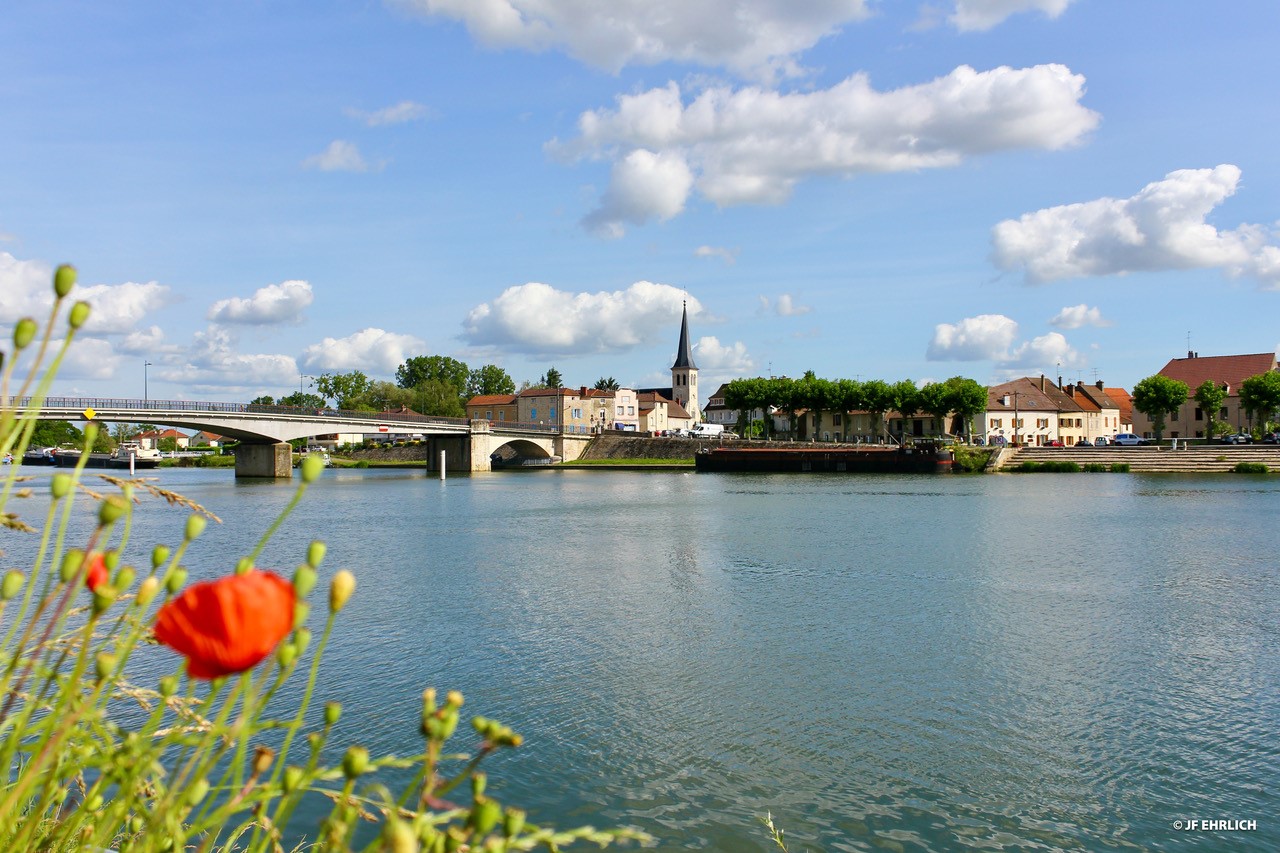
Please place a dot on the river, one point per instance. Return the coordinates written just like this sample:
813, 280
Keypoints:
907, 663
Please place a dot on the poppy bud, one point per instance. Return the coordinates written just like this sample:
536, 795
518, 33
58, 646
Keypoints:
95, 574
196, 791
105, 664
304, 580
24, 333
103, 597
332, 713
340, 589
355, 762
292, 779
484, 815
147, 591
79, 314
243, 565
262, 758
478, 783
302, 639
513, 822
453, 698
111, 559
110, 510
168, 686
315, 554
159, 556
195, 526
71, 563
301, 610
64, 278
60, 486
125, 577
12, 585
311, 468
177, 577
399, 837
286, 654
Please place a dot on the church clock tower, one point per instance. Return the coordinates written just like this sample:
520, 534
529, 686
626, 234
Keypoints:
684, 373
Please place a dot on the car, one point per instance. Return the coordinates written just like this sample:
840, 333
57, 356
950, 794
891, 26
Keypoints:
1054, 442
1101, 441
1084, 442
1271, 438
1127, 439
1238, 438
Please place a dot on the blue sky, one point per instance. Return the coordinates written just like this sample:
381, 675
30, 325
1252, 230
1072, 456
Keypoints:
255, 191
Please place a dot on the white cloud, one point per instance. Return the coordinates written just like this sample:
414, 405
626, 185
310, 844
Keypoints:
536, 318
643, 186
405, 111
714, 356
146, 342
274, 304
986, 337
1162, 227
990, 337
729, 256
372, 351
1078, 316
27, 287
212, 362
784, 306
118, 308
985, 14
340, 156
757, 37
752, 145
88, 358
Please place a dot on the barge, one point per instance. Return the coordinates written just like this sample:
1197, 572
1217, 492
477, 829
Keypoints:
918, 459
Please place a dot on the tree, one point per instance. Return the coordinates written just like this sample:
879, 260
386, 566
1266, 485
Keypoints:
1260, 397
302, 401
345, 389
167, 445
1209, 396
935, 399
877, 398
551, 379
782, 393
439, 399
1156, 396
489, 379
846, 396
387, 396
904, 396
968, 400
607, 384
54, 433
433, 368
264, 400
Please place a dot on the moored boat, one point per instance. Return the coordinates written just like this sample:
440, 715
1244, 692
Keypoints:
917, 459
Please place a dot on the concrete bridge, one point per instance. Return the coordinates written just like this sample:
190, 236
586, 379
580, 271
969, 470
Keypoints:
264, 431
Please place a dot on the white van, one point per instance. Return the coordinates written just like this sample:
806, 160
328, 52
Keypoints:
706, 430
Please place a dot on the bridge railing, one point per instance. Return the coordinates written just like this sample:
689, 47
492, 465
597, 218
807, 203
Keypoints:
116, 403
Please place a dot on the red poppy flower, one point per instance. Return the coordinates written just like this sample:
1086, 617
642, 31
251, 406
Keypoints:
96, 574
228, 625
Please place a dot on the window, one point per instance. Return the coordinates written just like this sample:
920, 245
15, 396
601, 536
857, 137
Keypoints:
553, 413
488, 416
997, 422
631, 410
835, 421
502, 416
1222, 413
533, 414
1199, 413
577, 413
1042, 423
1173, 416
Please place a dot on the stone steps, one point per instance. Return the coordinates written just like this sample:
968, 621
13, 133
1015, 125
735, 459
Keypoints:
1211, 459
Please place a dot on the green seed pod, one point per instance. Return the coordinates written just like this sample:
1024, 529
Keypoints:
110, 510
292, 779
64, 278
332, 713
94, 803
478, 782
304, 580
103, 597
484, 815
301, 610
147, 591
196, 791
168, 686
243, 565
399, 837
136, 824
79, 314
454, 840
195, 526
159, 556
311, 468
24, 333
125, 578
177, 577
340, 590
60, 486
262, 758
286, 654
513, 822
315, 554
12, 584
71, 563
105, 664
453, 699
356, 762
302, 639
111, 559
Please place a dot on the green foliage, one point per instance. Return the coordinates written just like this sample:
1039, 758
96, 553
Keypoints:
551, 379
434, 368
1251, 468
1059, 466
1209, 396
438, 399
971, 459
345, 389
1260, 398
1119, 467
54, 433
489, 379
302, 401
967, 399
1156, 396
263, 400
606, 384
167, 445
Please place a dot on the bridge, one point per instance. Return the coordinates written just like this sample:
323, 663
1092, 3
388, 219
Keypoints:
264, 431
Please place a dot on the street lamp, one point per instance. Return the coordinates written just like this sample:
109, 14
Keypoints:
145, 392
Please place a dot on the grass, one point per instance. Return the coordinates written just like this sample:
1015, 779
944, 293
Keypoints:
970, 459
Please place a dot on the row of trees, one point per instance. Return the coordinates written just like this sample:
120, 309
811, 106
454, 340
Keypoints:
1158, 396
962, 397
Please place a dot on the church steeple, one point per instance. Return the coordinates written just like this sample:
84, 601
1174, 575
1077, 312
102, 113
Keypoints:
684, 373
684, 358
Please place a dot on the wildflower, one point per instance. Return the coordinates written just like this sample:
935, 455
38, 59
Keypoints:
228, 625
96, 575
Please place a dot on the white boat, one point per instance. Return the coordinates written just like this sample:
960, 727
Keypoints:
126, 448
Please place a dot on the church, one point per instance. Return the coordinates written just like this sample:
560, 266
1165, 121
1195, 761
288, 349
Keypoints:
684, 376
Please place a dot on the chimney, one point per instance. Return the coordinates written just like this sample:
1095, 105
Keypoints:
1041, 383
1099, 385
583, 391
1190, 354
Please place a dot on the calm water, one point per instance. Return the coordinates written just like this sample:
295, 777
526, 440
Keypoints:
1030, 662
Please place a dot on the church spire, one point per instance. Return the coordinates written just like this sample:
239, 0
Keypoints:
684, 358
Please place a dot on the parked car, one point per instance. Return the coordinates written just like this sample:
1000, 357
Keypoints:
1054, 442
1238, 438
1127, 439
1084, 442
1271, 438
1101, 441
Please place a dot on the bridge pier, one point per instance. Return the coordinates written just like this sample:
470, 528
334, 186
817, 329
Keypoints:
265, 460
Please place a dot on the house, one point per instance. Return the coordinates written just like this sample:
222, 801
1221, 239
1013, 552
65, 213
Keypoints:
580, 410
151, 439
716, 412
626, 411
1124, 403
206, 439
1101, 413
1029, 411
1188, 421
498, 408
658, 414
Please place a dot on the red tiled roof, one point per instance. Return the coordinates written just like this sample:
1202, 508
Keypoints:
1220, 369
492, 400
1124, 401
